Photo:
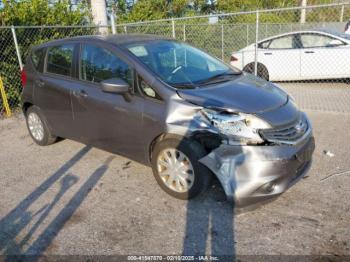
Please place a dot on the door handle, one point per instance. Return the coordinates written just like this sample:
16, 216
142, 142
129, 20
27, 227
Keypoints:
309, 52
80, 93
267, 53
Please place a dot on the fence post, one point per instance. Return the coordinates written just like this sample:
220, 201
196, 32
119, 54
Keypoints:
303, 12
247, 34
184, 31
114, 31
4, 99
342, 13
173, 27
222, 42
256, 43
17, 47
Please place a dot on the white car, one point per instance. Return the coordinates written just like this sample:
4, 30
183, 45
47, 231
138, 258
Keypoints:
302, 55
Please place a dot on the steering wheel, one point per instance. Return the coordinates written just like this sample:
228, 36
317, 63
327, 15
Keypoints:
173, 72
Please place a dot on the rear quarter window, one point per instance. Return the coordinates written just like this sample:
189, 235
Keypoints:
37, 57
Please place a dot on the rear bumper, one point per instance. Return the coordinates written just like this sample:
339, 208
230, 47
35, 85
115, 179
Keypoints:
250, 174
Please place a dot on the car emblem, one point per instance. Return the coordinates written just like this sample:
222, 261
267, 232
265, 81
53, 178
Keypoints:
299, 127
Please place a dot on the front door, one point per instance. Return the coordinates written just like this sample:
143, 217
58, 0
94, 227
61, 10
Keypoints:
106, 120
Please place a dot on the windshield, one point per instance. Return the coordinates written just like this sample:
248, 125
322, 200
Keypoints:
342, 35
181, 65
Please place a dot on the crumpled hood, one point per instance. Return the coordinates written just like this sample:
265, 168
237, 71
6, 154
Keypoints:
246, 94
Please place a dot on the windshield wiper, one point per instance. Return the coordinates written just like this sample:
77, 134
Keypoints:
218, 76
184, 86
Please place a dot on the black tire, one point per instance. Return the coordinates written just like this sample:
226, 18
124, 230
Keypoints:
48, 138
193, 151
262, 70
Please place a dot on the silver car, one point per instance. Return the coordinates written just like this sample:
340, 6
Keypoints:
170, 106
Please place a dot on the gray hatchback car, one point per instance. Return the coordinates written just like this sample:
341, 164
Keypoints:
170, 106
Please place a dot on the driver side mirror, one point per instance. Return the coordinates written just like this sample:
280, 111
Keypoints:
116, 86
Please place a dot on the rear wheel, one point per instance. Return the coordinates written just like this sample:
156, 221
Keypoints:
262, 70
177, 170
38, 128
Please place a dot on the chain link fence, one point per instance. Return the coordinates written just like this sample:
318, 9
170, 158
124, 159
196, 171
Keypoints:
299, 43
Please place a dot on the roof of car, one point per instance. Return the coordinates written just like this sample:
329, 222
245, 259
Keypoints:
118, 39
322, 30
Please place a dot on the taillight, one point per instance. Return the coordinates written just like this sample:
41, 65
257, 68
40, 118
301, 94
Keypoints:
233, 58
23, 77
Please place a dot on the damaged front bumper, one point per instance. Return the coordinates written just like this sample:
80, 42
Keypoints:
250, 174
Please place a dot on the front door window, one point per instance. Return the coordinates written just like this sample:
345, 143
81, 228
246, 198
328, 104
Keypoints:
98, 64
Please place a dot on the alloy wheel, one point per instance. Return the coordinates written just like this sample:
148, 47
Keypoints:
36, 126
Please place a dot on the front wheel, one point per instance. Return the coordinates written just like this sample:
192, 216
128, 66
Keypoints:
177, 170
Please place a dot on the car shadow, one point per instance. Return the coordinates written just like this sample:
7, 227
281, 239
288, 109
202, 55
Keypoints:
209, 229
210, 226
13, 245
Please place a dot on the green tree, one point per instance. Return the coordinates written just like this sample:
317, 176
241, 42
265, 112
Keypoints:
157, 9
148, 10
247, 5
179, 7
41, 12
121, 8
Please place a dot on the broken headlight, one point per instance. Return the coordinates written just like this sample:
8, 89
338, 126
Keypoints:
238, 127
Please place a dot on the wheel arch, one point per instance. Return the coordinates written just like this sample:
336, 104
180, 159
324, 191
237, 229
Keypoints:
208, 140
161, 137
249, 68
26, 106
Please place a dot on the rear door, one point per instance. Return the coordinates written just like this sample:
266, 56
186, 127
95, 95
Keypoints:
106, 120
53, 88
281, 56
323, 56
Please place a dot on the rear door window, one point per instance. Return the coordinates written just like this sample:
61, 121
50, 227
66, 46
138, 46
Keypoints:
317, 40
60, 59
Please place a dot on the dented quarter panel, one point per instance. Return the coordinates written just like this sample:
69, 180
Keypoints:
184, 118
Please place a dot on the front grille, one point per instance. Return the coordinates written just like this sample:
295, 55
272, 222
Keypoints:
290, 134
